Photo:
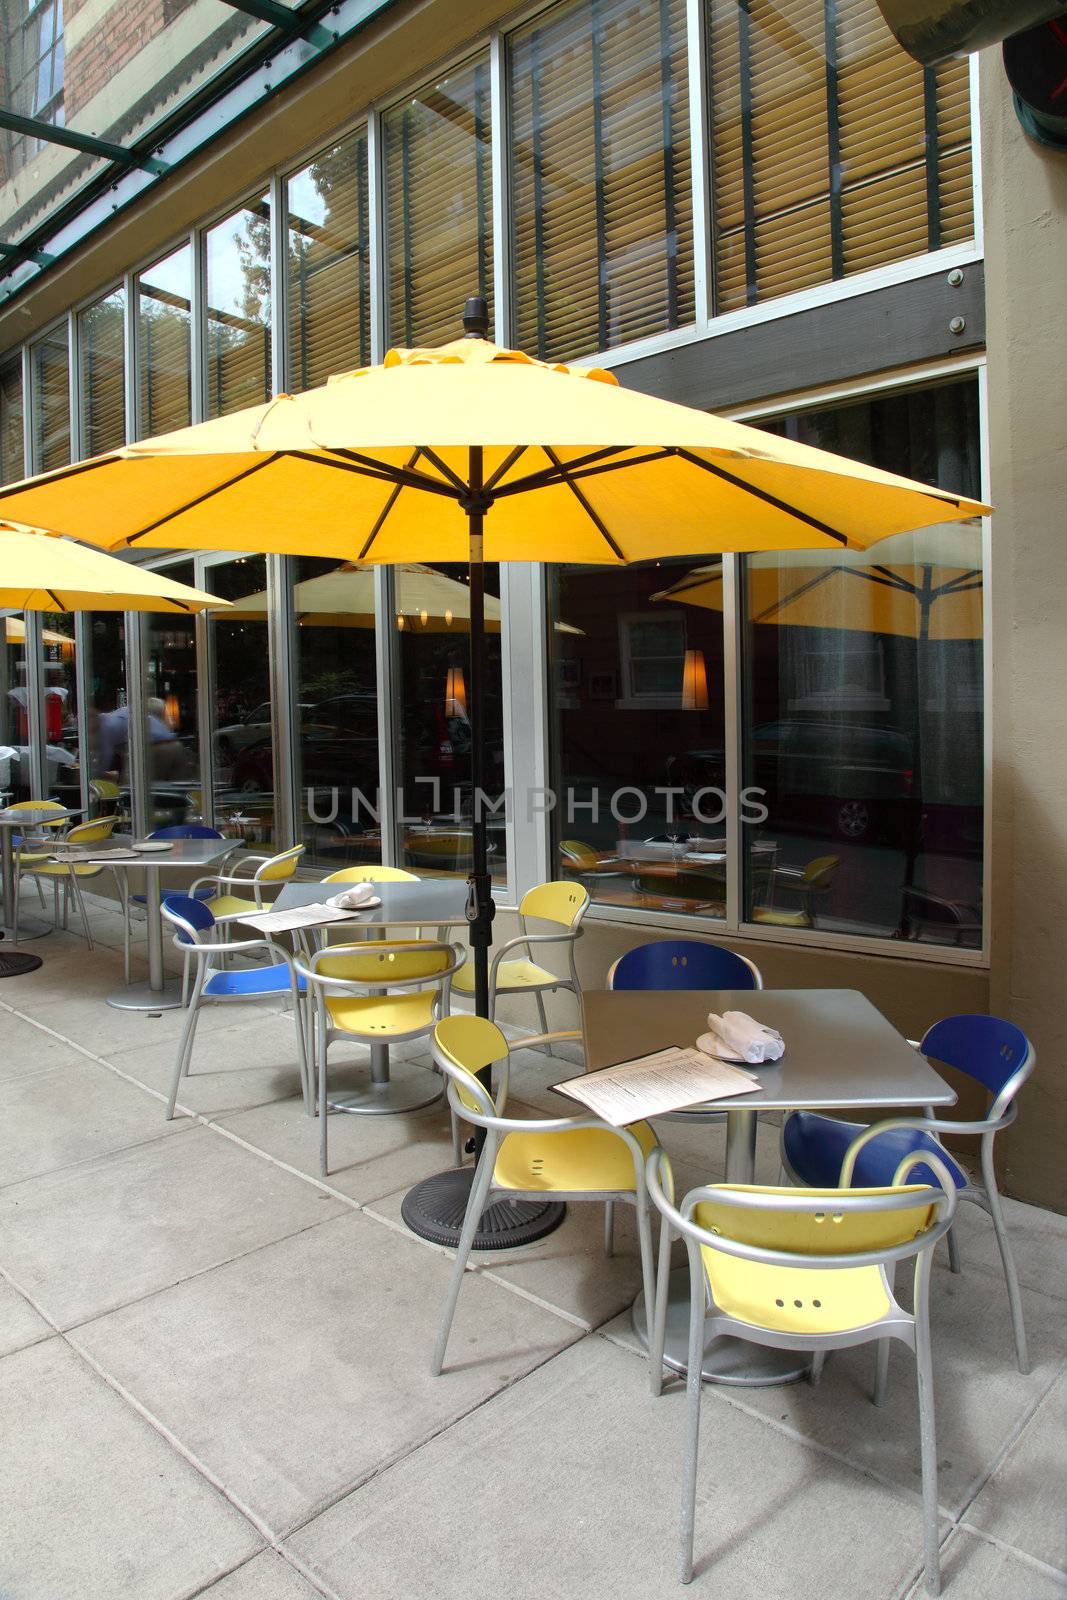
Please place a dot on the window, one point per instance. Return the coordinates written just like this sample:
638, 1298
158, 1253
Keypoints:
241, 733
438, 206
107, 733
832, 150
639, 738
172, 740
863, 699
12, 457
50, 381
16, 776
101, 343
238, 355
32, 73
600, 174
329, 267
164, 353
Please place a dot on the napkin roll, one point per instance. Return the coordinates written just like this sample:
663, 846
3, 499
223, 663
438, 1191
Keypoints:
351, 899
749, 1040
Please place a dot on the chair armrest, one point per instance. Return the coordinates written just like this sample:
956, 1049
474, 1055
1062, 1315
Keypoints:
920, 1125
229, 947
535, 1039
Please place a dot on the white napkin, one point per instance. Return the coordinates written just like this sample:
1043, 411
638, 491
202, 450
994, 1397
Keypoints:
748, 1039
360, 894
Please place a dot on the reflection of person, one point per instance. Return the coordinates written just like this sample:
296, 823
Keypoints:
113, 735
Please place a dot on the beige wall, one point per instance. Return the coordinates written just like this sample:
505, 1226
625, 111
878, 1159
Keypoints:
1026, 273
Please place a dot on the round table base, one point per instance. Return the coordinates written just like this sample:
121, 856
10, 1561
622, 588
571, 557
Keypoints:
379, 1099
435, 1209
142, 997
29, 928
735, 1361
13, 963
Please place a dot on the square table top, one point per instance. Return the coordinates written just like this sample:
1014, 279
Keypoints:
30, 816
840, 1051
423, 902
182, 852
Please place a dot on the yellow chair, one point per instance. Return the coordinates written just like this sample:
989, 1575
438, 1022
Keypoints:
808, 884
70, 874
572, 1158
272, 870
374, 994
369, 872
583, 861
562, 903
804, 1269
30, 854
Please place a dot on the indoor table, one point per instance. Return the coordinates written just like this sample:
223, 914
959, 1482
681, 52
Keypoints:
25, 820
841, 1054
439, 903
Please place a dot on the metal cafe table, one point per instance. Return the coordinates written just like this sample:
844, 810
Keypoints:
840, 1054
424, 903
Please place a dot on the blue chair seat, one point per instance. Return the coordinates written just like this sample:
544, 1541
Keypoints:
250, 982
206, 893
815, 1147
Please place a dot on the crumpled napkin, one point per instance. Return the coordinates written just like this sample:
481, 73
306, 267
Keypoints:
360, 894
746, 1038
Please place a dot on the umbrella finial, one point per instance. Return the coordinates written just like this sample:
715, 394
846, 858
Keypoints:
476, 317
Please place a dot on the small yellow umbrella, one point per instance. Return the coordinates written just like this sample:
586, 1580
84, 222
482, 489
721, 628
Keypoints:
42, 573
15, 630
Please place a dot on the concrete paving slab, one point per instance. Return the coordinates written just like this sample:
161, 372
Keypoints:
266, 1577
97, 1236
250, 1062
95, 1502
20, 1325
300, 1369
1025, 1501
569, 1484
26, 1050
973, 1569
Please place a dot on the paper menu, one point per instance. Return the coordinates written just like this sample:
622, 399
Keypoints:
314, 916
650, 1086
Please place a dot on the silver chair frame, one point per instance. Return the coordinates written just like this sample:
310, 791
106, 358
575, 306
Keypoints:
488, 1115
70, 882
322, 1034
911, 1329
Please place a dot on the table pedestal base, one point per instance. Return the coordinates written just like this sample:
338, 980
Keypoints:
29, 928
376, 1099
13, 963
142, 997
733, 1361
435, 1209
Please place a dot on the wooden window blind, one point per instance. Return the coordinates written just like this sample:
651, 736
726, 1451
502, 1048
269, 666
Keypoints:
164, 344
438, 206
101, 355
12, 463
329, 267
600, 170
238, 354
832, 150
50, 379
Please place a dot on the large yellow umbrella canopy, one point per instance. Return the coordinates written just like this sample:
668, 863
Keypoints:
41, 573
922, 585
376, 465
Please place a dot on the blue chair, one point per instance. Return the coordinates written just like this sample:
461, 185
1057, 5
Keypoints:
994, 1054
196, 934
178, 830
683, 964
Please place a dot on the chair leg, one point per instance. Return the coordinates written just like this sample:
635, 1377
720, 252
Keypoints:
881, 1372
1015, 1304
14, 912
658, 1324
953, 1251
324, 1115
457, 1140
40, 891
475, 1207
543, 1015
692, 1443
84, 914
185, 1051
928, 1455
609, 1228
818, 1361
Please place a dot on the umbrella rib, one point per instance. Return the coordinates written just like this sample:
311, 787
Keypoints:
209, 494
584, 503
444, 469
506, 465
59, 604
546, 477
768, 499
389, 504
352, 461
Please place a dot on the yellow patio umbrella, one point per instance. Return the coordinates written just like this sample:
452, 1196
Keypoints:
922, 585
15, 631
42, 573
476, 453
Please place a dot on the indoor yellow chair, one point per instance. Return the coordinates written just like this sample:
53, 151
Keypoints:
804, 1269
559, 902
571, 1158
70, 875
374, 994
808, 884
266, 871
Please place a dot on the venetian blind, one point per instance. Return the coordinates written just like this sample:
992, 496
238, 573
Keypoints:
101, 344
51, 403
602, 202
164, 344
12, 465
438, 206
329, 269
832, 150
238, 356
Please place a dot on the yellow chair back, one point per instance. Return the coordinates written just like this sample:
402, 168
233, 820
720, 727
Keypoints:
362, 964
819, 872
280, 866
558, 901
92, 832
578, 853
373, 872
41, 805
471, 1044
836, 1231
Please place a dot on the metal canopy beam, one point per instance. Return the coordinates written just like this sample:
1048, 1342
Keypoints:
287, 21
19, 252
34, 128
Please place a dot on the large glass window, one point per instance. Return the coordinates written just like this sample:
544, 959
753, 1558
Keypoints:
15, 781
172, 741
12, 459
62, 744
863, 698
335, 676
433, 623
601, 194
32, 73
237, 358
438, 205
50, 380
164, 346
101, 343
640, 811
242, 747
832, 150
108, 730
329, 266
